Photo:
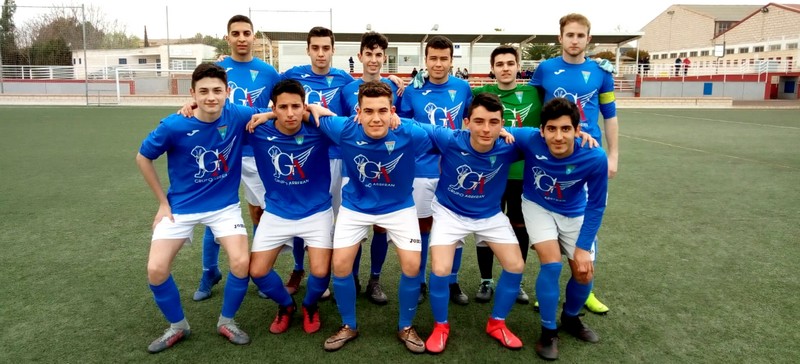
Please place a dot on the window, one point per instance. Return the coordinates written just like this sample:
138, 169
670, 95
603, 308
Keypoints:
790, 46
722, 26
123, 61
673, 55
775, 47
655, 56
758, 49
693, 54
683, 54
729, 51
705, 53
142, 60
735, 62
744, 49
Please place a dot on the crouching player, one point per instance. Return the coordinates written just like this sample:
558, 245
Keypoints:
380, 165
559, 218
204, 155
292, 160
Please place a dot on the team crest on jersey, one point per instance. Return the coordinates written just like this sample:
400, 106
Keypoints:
492, 159
389, 146
586, 75
298, 139
472, 183
519, 96
452, 94
253, 75
329, 80
570, 168
579, 100
288, 166
222, 131
444, 116
211, 162
375, 173
318, 97
243, 96
550, 185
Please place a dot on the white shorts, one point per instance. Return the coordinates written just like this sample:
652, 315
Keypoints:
316, 230
253, 187
451, 228
544, 225
224, 222
402, 228
336, 185
424, 190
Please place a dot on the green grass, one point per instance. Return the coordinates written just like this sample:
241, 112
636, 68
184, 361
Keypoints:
698, 258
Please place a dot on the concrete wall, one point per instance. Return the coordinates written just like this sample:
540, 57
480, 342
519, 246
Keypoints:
735, 89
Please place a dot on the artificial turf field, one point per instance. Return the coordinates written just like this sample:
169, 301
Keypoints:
698, 255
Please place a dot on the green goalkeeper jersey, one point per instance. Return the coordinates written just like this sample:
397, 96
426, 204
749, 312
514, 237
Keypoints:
521, 108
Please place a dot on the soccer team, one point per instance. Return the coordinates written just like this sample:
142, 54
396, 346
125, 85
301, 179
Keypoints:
325, 158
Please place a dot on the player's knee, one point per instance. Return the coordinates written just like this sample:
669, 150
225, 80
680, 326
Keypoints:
240, 266
320, 270
515, 266
410, 269
157, 273
342, 267
441, 270
258, 271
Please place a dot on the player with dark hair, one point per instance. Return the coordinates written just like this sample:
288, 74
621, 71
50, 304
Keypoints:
559, 218
437, 100
204, 156
521, 107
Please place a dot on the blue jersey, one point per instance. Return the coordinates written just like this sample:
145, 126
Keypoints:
294, 168
381, 171
442, 105
350, 95
586, 84
472, 183
204, 160
251, 84
323, 90
557, 184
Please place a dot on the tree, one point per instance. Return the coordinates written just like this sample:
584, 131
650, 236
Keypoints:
541, 51
642, 54
609, 55
8, 43
146, 41
119, 40
50, 52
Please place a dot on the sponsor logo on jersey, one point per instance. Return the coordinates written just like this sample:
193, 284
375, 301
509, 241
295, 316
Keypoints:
550, 185
558, 72
471, 183
288, 166
193, 132
211, 162
372, 172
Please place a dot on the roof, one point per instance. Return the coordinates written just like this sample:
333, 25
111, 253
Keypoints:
761, 9
723, 12
491, 38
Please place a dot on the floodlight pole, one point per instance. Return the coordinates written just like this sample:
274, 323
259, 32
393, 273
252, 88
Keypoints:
85, 63
2, 90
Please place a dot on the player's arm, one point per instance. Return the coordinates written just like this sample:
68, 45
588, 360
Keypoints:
401, 86
597, 183
318, 111
608, 107
151, 177
187, 109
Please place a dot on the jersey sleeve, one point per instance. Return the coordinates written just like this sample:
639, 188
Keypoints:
536, 80
334, 127
597, 184
607, 99
157, 142
422, 141
406, 109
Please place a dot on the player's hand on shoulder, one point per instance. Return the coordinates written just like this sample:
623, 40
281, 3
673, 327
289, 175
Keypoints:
164, 211
587, 139
394, 121
401, 86
258, 119
318, 111
606, 65
222, 57
187, 109
508, 137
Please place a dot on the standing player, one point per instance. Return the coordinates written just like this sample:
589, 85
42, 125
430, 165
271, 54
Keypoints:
559, 218
475, 168
521, 107
250, 80
439, 100
293, 163
590, 87
372, 55
380, 165
204, 156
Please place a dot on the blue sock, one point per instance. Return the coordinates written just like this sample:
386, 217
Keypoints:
505, 294
357, 262
345, 290
377, 252
168, 300
210, 251
576, 296
272, 286
547, 292
456, 265
299, 253
423, 259
235, 289
439, 294
408, 293
315, 287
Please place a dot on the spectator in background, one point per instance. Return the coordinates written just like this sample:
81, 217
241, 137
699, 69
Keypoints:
414, 72
352, 64
678, 64
465, 74
686, 64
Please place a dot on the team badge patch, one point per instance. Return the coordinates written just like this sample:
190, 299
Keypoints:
298, 139
452, 95
570, 168
222, 131
253, 75
586, 75
389, 146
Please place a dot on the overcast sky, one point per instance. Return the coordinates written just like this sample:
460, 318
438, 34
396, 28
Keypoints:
188, 17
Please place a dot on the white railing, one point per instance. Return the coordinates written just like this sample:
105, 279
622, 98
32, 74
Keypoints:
756, 67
